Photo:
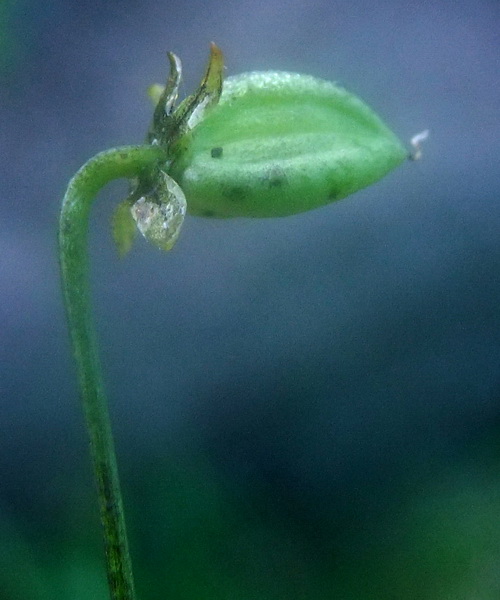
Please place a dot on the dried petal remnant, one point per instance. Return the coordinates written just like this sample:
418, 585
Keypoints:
159, 215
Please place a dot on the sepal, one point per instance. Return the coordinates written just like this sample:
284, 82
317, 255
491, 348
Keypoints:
123, 227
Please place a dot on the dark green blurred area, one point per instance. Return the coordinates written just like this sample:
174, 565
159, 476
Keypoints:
197, 534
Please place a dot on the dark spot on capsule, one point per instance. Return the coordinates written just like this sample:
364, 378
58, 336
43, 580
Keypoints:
123, 155
208, 213
235, 194
274, 177
216, 152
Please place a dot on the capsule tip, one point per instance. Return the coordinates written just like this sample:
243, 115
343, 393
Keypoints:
416, 140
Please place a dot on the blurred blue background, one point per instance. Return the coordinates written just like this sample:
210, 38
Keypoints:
304, 407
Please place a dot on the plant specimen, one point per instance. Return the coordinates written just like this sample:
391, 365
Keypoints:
256, 145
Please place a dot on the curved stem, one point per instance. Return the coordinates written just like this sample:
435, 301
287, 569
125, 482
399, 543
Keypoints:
129, 161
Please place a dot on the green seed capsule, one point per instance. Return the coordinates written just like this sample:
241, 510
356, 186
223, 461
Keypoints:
279, 143
266, 144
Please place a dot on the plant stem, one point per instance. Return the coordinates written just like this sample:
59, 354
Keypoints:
128, 161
